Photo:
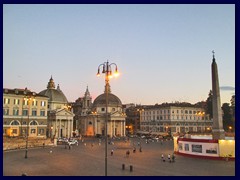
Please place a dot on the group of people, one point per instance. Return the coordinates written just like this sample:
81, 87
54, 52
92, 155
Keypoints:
171, 158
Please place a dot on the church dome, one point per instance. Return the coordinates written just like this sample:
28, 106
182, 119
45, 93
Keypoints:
55, 95
112, 100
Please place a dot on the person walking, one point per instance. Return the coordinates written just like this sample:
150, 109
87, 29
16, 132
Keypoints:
169, 157
111, 152
173, 157
163, 158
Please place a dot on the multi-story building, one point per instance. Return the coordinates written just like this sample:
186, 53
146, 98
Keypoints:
24, 110
174, 118
132, 112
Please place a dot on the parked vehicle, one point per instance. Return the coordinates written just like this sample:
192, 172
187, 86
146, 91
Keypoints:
73, 142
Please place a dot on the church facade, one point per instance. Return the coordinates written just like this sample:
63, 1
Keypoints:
92, 118
60, 117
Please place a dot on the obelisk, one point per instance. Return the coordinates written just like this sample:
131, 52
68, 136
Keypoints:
217, 128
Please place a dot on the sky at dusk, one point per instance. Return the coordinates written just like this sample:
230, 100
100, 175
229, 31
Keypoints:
163, 52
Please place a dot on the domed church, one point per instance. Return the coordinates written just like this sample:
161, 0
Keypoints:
60, 117
92, 122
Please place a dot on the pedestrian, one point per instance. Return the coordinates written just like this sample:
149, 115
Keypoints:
140, 149
112, 152
173, 158
43, 145
85, 144
134, 150
169, 157
163, 158
69, 146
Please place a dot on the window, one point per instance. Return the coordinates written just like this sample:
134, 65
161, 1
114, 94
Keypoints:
16, 101
15, 112
186, 111
16, 123
34, 102
33, 131
42, 113
113, 109
5, 111
190, 112
25, 112
24, 123
103, 109
34, 112
25, 102
33, 123
14, 131
43, 103
41, 131
6, 101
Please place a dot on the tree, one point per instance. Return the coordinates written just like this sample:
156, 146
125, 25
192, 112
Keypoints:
227, 116
209, 104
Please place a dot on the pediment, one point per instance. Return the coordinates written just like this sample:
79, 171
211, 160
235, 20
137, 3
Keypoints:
63, 112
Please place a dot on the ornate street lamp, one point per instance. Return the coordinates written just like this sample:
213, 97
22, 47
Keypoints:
27, 98
106, 69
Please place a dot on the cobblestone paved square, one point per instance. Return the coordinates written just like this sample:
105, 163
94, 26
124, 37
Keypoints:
88, 160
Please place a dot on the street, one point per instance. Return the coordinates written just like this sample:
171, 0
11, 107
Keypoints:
88, 159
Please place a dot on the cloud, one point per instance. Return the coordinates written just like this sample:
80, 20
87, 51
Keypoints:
227, 88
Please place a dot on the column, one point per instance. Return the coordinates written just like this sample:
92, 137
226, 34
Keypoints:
111, 127
124, 128
120, 128
114, 128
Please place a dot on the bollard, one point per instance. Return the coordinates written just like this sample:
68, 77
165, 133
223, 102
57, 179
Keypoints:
131, 168
123, 166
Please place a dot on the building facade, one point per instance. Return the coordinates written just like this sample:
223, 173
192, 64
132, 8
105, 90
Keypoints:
93, 115
170, 119
24, 111
60, 116
132, 112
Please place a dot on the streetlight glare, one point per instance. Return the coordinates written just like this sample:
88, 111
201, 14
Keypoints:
116, 73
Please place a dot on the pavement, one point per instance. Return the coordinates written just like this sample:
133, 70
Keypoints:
89, 160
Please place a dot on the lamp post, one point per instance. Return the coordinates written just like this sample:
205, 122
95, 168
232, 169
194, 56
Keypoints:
51, 132
106, 69
230, 128
28, 99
